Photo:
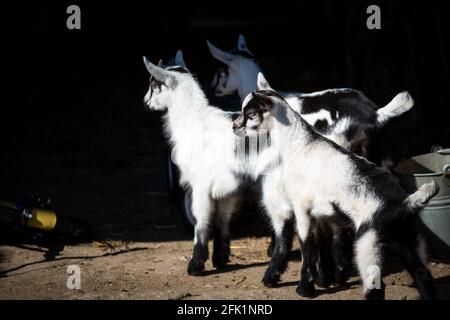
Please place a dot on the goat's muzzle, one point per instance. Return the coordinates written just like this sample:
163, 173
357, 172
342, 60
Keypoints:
238, 127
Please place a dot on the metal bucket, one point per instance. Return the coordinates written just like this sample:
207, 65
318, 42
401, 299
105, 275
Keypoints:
435, 216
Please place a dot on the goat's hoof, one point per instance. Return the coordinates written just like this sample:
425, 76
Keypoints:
306, 289
323, 280
195, 268
375, 294
220, 260
270, 280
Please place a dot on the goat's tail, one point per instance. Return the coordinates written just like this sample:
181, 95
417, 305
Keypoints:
419, 199
401, 103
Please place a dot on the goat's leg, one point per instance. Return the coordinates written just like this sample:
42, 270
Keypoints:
308, 273
283, 234
324, 262
368, 253
201, 209
225, 210
279, 212
309, 248
289, 238
341, 261
276, 204
271, 246
415, 261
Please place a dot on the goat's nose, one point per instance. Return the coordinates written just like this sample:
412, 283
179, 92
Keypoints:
235, 126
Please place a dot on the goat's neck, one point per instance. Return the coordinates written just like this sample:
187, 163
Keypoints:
186, 109
248, 75
289, 131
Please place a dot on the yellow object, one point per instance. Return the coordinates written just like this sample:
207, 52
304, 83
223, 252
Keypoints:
42, 219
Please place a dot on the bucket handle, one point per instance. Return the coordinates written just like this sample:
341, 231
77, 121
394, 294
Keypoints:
436, 148
444, 152
446, 170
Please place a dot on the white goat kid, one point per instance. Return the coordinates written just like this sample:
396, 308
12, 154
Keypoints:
204, 148
321, 179
345, 116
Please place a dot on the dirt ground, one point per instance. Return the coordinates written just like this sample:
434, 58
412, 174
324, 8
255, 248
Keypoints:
141, 270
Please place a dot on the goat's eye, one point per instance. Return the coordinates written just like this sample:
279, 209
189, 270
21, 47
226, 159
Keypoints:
252, 114
155, 85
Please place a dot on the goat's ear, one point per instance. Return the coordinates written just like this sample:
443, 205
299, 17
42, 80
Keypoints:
242, 44
160, 63
220, 55
159, 73
179, 60
262, 82
264, 102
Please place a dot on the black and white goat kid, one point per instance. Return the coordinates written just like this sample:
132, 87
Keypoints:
322, 179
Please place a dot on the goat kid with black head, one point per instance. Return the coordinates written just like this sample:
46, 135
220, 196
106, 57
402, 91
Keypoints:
380, 210
345, 116
333, 237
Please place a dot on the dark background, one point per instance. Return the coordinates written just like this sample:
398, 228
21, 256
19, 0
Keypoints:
73, 126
